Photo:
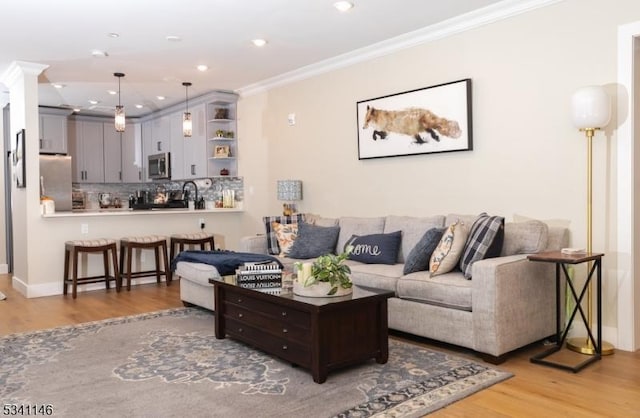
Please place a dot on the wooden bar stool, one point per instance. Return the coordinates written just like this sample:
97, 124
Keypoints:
198, 238
157, 243
71, 251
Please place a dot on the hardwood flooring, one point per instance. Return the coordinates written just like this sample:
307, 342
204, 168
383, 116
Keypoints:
610, 387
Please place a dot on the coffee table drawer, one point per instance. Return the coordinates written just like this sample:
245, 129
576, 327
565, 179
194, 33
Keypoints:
276, 326
278, 312
296, 353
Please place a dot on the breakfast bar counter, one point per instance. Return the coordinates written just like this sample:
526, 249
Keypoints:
131, 212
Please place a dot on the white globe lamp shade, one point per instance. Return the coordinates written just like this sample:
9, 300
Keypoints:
591, 107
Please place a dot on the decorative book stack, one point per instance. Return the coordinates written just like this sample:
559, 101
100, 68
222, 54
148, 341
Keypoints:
265, 277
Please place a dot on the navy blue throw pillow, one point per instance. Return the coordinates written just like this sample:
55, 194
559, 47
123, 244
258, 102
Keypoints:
375, 248
419, 256
313, 241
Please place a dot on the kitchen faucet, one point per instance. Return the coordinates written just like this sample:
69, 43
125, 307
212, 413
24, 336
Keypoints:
195, 187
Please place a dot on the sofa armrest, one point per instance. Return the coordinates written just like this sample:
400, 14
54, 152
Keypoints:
254, 244
513, 303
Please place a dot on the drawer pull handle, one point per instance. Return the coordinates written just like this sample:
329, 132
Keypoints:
284, 347
284, 313
240, 315
239, 329
239, 300
284, 330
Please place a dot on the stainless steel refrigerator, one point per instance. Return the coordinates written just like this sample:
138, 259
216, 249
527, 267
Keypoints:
55, 180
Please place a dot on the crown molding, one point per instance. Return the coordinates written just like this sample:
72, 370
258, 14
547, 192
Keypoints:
484, 16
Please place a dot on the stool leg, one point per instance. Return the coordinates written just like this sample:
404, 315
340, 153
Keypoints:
66, 271
129, 253
167, 268
156, 252
212, 245
172, 250
74, 285
116, 273
105, 260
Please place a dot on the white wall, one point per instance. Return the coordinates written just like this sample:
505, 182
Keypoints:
528, 159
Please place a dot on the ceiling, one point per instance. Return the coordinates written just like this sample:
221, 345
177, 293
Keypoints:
217, 33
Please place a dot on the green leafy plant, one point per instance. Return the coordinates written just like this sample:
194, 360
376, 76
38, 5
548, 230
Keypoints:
330, 268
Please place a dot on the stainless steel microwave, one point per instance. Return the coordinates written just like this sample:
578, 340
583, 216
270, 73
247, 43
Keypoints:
159, 166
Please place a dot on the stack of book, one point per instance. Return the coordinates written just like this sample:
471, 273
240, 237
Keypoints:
262, 276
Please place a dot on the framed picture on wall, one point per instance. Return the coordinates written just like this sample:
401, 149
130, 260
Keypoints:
18, 160
423, 121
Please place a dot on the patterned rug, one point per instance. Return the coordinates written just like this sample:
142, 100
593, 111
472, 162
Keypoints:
169, 363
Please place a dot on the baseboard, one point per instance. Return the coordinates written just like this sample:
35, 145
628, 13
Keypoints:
55, 288
609, 334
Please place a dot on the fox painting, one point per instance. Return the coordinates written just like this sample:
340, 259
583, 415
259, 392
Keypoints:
412, 122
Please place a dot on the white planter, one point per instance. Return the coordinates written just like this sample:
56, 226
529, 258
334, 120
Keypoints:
318, 290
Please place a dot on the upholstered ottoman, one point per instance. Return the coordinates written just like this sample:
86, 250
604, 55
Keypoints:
195, 288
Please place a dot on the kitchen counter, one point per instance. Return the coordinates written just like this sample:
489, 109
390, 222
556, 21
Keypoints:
131, 212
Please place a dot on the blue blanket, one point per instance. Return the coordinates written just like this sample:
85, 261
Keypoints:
226, 262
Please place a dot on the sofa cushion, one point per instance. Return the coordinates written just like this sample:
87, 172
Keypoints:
447, 254
314, 241
413, 228
319, 220
286, 235
375, 248
380, 276
485, 241
357, 226
451, 290
524, 237
419, 256
272, 242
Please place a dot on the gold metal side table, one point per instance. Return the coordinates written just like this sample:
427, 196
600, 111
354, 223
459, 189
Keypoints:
561, 261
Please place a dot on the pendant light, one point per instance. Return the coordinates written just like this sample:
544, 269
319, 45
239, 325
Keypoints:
119, 118
187, 126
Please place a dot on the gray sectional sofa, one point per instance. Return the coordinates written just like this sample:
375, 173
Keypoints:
508, 303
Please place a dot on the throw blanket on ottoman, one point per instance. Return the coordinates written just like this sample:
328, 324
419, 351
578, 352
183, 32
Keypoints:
226, 262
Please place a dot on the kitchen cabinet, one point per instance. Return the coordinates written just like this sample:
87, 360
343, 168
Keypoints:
147, 134
222, 139
85, 141
53, 133
194, 148
112, 146
177, 140
132, 164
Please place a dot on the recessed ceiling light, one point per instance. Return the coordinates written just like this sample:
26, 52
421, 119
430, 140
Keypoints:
343, 6
202, 67
139, 106
76, 109
173, 38
259, 42
94, 102
113, 35
112, 92
99, 54
58, 86
160, 97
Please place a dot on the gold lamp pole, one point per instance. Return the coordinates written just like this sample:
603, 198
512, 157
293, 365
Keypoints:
591, 111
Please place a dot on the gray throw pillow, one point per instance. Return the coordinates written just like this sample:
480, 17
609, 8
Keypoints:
313, 241
375, 248
419, 256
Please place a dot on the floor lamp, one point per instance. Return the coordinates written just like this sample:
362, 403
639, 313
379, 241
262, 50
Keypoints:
591, 108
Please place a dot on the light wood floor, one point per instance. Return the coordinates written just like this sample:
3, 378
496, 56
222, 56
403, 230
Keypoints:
609, 388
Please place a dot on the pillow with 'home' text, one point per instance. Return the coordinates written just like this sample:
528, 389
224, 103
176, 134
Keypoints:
375, 248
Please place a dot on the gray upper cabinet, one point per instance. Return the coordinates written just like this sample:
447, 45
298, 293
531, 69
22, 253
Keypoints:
132, 164
86, 149
53, 132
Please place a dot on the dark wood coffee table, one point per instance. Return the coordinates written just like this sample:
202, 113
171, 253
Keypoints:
320, 334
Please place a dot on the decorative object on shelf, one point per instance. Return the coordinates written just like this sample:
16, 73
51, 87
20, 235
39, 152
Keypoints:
224, 172
119, 116
187, 125
424, 121
229, 134
221, 113
222, 151
228, 198
220, 133
591, 110
326, 276
289, 191
19, 166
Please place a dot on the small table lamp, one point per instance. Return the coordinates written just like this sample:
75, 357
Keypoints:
289, 191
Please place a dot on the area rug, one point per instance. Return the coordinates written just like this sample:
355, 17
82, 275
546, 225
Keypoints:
169, 364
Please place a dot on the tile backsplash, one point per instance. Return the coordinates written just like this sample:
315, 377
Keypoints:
211, 189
